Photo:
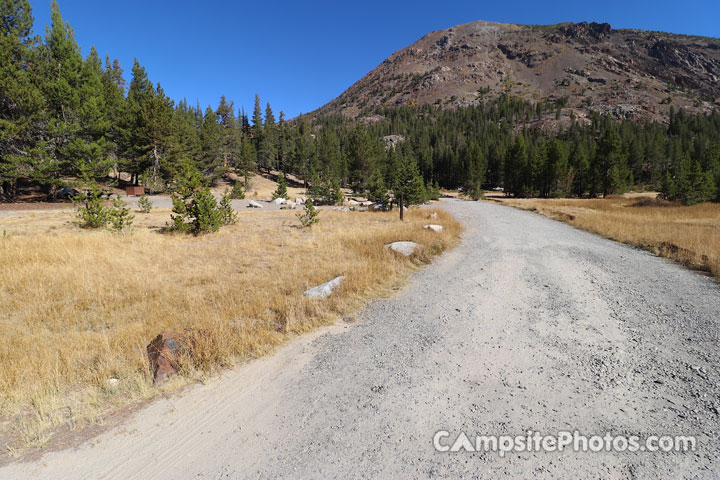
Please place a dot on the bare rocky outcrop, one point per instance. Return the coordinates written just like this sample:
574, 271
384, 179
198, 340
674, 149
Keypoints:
591, 65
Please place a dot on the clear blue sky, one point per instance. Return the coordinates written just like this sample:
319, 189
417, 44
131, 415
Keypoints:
300, 55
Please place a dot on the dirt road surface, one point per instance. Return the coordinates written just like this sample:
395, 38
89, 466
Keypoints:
530, 324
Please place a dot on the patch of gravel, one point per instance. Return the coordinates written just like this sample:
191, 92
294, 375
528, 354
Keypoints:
529, 324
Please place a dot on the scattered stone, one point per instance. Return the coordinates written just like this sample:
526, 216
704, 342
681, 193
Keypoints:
324, 290
113, 382
404, 248
163, 354
280, 201
434, 228
254, 204
300, 200
433, 216
352, 203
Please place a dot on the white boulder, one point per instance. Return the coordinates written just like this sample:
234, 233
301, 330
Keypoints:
254, 204
279, 201
433, 216
324, 290
434, 228
404, 248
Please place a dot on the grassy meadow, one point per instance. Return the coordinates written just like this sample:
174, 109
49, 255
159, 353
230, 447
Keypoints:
79, 307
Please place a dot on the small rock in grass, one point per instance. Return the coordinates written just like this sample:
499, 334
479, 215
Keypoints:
434, 228
404, 248
324, 290
163, 354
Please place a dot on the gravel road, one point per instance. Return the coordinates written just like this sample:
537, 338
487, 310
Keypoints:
529, 324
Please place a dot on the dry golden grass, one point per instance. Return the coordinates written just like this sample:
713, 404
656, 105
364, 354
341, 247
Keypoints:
262, 187
79, 307
689, 235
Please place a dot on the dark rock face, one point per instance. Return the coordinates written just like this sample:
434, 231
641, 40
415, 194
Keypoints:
587, 33
592, 65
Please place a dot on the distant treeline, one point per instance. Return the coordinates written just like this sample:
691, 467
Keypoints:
63, 116
501, 144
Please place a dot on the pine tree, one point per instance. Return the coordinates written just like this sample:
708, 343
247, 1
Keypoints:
89, 147
22, 145
609, 161
228, 133
281, 191
408, 187
516, 163
211, 161
310, 216
257, 129
376, 190
62, 93
115, 109
477, 167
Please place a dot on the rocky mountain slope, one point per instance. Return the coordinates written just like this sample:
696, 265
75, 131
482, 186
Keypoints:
583, 66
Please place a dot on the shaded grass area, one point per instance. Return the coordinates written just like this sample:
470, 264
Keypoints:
689, 235
79, 307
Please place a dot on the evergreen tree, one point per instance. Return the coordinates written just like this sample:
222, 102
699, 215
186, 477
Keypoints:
609, 161
477, 167
22, 147
229, 130
377, 191
62, 94
516, 163
281, 191
408, 187
211, 161
267, 154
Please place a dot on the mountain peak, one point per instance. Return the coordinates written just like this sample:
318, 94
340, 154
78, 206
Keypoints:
584, 66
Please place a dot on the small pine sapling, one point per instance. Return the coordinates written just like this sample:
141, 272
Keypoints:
120, 218
229, 217
310, 216
237, 192
90, 209
145, 204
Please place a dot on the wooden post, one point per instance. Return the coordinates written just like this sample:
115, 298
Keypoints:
402, 206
